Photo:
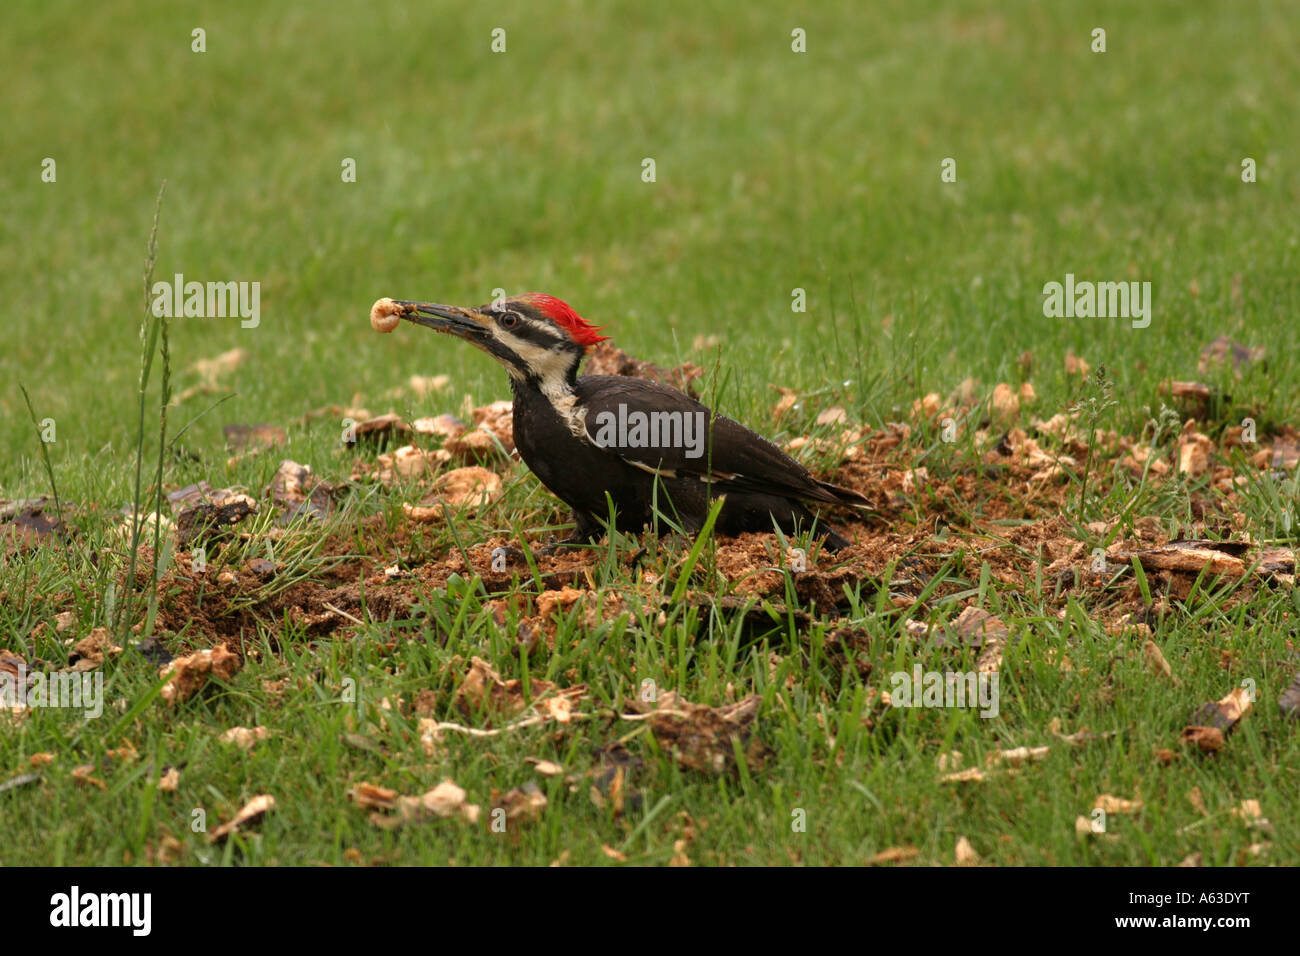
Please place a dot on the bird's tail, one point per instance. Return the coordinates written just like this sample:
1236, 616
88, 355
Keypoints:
844, 496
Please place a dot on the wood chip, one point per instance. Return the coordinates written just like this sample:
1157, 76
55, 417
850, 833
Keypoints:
251, 814
965, 853
1155, 660
1111, 804
895, 854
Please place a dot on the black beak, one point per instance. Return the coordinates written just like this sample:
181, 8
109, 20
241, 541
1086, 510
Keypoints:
463, 323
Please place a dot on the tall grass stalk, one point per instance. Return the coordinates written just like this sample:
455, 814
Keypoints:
54, 489
150, 327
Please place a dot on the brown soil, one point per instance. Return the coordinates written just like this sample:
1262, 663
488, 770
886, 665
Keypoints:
1000, 512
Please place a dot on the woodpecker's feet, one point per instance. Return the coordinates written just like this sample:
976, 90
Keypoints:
674, 539
515, 555
573, 541
585, 531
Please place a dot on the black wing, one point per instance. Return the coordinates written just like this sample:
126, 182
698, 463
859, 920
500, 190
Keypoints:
733, 457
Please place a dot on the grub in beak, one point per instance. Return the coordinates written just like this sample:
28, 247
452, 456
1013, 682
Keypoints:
385, 314
463, 323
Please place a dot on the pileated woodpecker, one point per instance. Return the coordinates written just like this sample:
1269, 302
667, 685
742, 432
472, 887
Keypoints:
648, 446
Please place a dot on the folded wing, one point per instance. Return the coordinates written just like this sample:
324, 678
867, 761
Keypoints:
680, 438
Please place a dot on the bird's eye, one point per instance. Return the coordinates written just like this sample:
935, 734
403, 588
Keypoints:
509, 320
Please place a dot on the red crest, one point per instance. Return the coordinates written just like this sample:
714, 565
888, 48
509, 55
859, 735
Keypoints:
579, 329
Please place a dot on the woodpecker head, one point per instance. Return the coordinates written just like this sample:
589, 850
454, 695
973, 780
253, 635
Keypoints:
538, 338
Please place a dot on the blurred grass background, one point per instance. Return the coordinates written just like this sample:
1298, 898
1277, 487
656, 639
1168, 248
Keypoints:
522, 170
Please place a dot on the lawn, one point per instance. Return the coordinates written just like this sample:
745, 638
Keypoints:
356, 635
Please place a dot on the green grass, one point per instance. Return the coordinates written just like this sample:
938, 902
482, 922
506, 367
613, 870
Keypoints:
523, 171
